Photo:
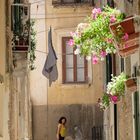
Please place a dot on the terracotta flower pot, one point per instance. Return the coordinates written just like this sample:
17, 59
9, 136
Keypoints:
132, 43
131, 84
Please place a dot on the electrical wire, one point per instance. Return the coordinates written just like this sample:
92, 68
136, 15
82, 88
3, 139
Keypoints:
56, 53
37, 1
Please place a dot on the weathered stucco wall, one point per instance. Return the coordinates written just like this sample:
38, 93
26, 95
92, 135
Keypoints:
38, 83
4, 85
75, 101
125, 118
125, 107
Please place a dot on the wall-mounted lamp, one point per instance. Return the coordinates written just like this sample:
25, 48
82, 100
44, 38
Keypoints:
1, 79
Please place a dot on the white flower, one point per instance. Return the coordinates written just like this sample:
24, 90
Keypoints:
78, 46
17, 38
102, 58
118, 12
77, 51
114, 51
94, 53
108, 50
88, 58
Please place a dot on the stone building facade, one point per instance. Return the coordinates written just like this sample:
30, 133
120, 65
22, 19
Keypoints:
126, 117
15, 104
75, 101
4, 83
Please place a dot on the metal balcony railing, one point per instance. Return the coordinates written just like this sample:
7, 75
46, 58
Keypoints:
20, 26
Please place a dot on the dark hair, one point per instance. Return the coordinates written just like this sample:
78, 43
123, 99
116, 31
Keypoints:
60, 120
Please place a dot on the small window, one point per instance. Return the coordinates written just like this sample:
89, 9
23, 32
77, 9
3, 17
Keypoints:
74, 67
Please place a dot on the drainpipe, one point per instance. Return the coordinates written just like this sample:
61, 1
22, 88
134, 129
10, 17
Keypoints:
115, 105
111, 4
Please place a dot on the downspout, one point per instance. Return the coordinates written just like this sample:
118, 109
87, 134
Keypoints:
115, 105
113, 62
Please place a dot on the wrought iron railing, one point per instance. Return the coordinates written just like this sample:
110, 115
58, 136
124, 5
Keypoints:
20, 26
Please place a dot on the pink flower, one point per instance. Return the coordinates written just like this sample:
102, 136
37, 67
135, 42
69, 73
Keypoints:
94, 16
71, 42
126, 46
125, 37
112, 19
109, 40
95, 12
95, 59
103, 53
71, 33
114, 99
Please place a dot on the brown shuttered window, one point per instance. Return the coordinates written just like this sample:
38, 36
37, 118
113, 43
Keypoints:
74, 67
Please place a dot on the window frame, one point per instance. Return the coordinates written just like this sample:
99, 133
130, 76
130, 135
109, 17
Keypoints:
64, 39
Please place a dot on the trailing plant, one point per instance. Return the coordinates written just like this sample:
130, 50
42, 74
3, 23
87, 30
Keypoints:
94, 39
117, 85
104, 102
27, 37
121, 37
32, 48
115, 89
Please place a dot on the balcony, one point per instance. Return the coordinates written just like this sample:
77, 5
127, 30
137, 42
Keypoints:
20, 26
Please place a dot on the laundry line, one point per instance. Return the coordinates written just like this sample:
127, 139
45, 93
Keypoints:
39, 1
56, 53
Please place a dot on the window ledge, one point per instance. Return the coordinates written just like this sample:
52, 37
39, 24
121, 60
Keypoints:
75, 85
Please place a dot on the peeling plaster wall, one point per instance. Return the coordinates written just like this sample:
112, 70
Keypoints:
4, 89
19, 105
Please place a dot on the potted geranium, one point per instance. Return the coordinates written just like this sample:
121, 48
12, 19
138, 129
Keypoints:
126, 36
104, 102
116, 87
93, 39
115, 90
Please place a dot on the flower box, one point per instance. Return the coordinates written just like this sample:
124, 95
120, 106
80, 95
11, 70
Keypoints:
131, 84
129, 45
21, 45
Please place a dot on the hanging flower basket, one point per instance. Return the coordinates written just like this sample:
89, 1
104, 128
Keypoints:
126, 36
93, 39
114, 92
131, 84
